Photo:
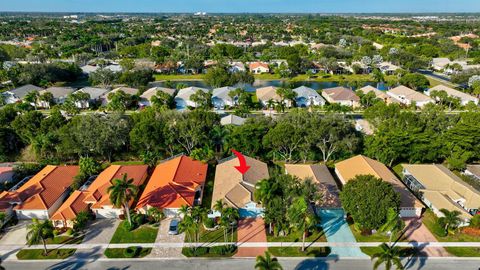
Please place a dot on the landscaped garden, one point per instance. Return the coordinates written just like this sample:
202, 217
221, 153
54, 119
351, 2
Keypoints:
129, 252
297, 251
38, 254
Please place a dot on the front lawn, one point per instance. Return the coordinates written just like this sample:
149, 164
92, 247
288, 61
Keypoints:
376, 237
64, 239
215, 251
37, 254
430, 221
297, 251
173, 77
408, 251
317, 236
464, 251
114, 253
213, 236
143, 234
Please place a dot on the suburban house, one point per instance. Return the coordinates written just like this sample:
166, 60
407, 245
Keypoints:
146, 97
237, 67
473, 170
174, 183
40, 196
320, 175
183, 97
232, 119
264, 94
221, 99
18, 94
307, 96
127, 90
94, 196
439, 188
407, 96
463, 97
60, 94
347, 169
382, 95
341, 95
445, 65
388, 68
96, 95
237, 190
6, 173
258, 68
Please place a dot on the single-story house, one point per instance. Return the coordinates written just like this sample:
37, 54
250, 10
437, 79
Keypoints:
445, 65
439, 188
382, 95
463, 97
237, 67
320, 175
96, 95
348, 169
95, 196
146, 97
307, 97
473, 170
221, 98
388, 68
341, 95
258, 68
264, 94
407, 96
41, 195
232, 119
60, 94
127, 90
183, 97
19, 93
237, 190
174, 183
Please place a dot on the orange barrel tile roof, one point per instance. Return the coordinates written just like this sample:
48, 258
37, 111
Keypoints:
173, 183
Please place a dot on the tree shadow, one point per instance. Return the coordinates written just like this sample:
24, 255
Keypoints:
313, 264
79, 260
417, 256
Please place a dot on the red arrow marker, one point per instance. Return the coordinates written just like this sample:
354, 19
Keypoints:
243, 168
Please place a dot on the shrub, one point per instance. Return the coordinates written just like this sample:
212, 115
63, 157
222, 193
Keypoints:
438, 228
471, 231
219, 250
127, 226
131, 252
209, 223
200, 251
55, 233
475, 221
69, 232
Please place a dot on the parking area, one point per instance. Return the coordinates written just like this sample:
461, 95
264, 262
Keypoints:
15, 235
164, 237
251, 230
100, 231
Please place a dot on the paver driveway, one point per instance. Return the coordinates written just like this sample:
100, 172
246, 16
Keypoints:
337, 231
15, 235
251, 230
416, 231
164, 237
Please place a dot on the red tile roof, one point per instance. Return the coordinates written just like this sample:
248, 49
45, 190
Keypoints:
173, 183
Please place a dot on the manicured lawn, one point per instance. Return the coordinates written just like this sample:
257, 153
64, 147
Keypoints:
37, 254
144, 234
213, 236
213, 252
171, 77
297, 251
429, 219
464, 251
377, 237
119, 253
317, 236
372, 250
63, 239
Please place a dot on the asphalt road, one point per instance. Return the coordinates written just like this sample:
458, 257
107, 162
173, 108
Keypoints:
238, 264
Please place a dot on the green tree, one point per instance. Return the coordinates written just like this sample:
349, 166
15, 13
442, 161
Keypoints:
122, 192
155, 214
102, 77
267, 262
301, 218
39, 231
389, 255
202, 99
415, 81
450, 219
360, 198
81, 220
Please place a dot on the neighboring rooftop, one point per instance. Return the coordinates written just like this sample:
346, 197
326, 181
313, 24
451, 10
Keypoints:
222, 93
340, 93
153, 91
453, 93
232, 119
174, 183
60, 92
185, 93
22, 91
378, 93
267, 93
94, 92
409, 94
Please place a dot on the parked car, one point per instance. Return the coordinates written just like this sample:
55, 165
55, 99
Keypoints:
173, 228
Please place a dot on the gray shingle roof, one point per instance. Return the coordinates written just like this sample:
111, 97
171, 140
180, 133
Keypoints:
22, 91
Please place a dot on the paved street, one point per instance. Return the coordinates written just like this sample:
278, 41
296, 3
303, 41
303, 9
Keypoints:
238, 264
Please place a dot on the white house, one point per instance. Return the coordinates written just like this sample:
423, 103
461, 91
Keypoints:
221, 98
146, 97
96, 95
259, 67
183, 100
407, 96
307, 97
463, 97
19, 93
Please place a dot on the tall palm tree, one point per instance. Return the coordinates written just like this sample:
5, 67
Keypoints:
301, 218
389, 255
219, 207
122, 191
31, 97
186, 225
231, 216
451, 219
39, 231
267, 263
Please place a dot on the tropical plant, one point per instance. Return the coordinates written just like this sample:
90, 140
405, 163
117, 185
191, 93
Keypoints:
80, 221
389, 255
39, 231
450, 219
267, 262
122, 191
155, 214
301, 217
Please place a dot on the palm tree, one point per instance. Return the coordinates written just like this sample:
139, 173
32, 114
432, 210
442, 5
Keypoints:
219, 206
122, 191
267, 263
451, 219
186, 225
31, 97
155, 214
39, 231
231, 216
301, 218
270, 104
392, 224
389, 255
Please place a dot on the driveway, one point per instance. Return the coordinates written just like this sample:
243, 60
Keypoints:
416, 231
164, 237
337, 231
100, 231
251, 230
15, 235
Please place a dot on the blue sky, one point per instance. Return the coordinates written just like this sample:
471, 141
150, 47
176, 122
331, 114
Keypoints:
304, 6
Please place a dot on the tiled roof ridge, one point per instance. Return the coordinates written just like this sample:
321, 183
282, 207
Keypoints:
178, 193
